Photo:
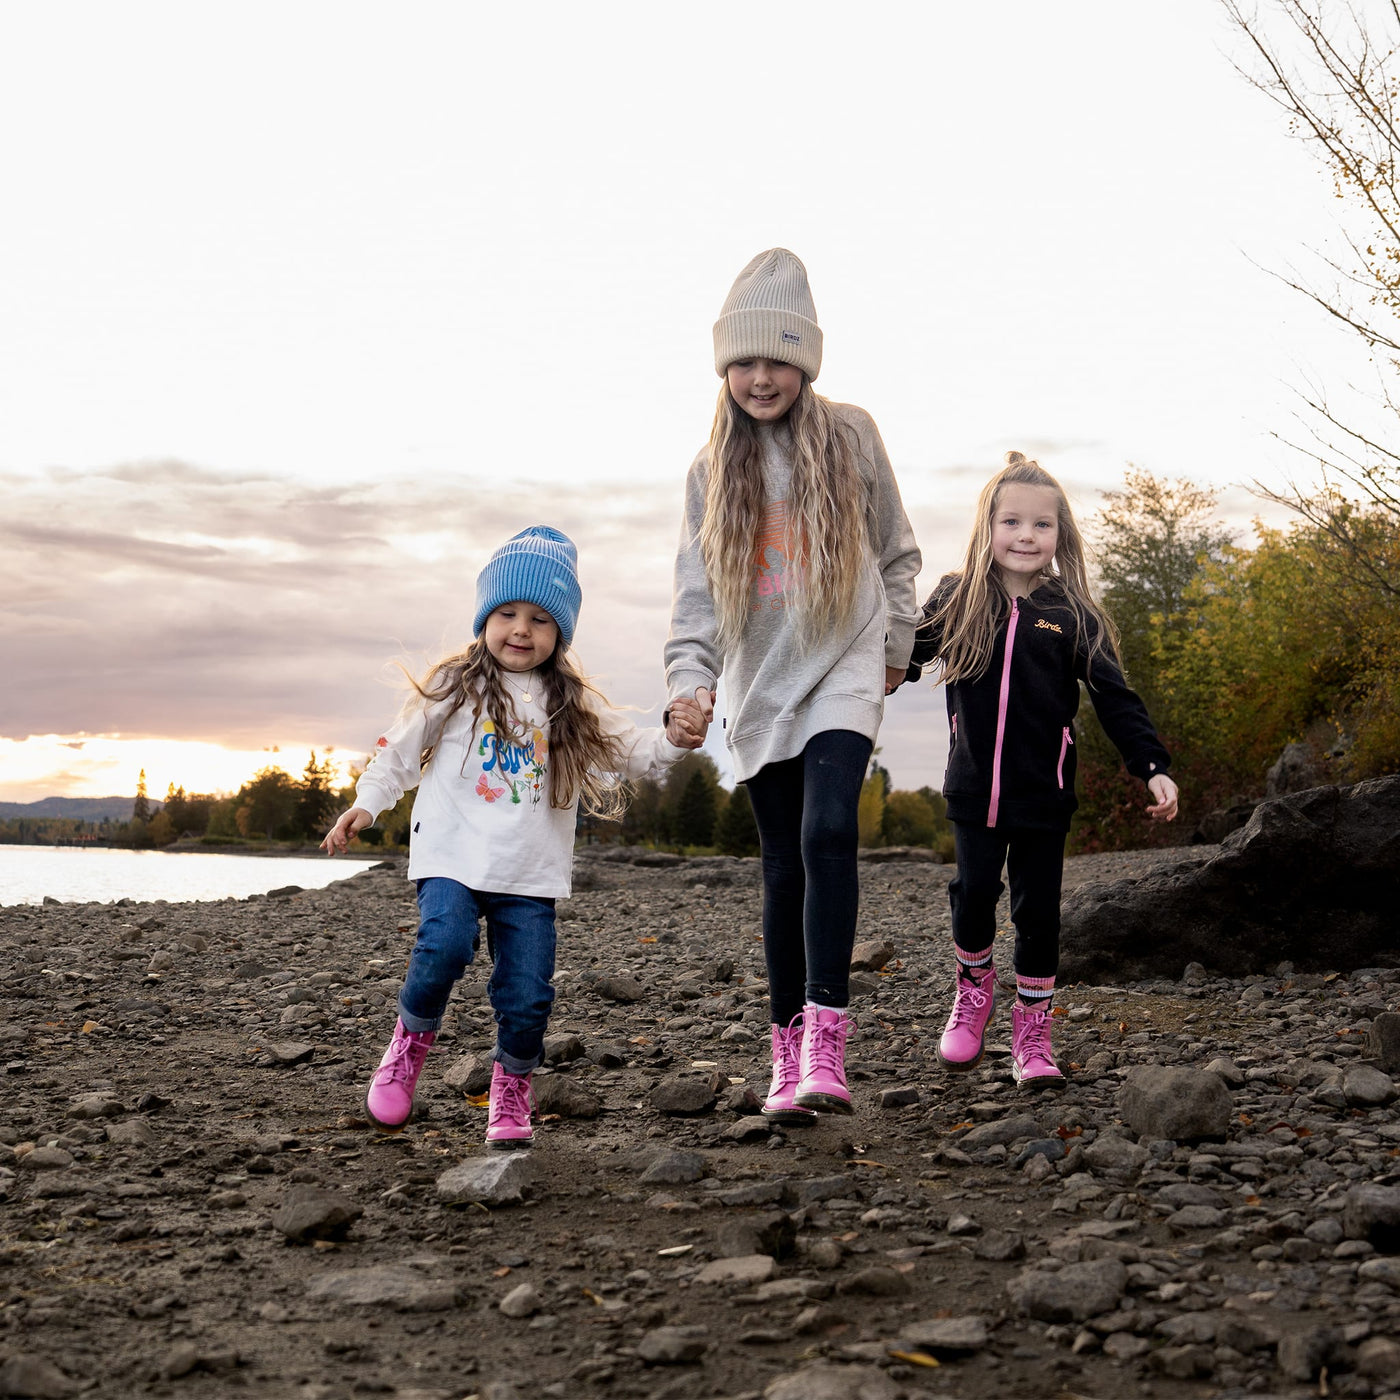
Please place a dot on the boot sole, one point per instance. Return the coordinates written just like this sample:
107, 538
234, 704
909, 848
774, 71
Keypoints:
387, 1128
960, 1066
510, 1144
791, 1117
824, 1103
1040, 1082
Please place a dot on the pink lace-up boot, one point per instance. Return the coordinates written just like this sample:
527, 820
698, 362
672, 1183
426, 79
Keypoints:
389, 1101
822, 1061
1032, 1061
779, 1107
964, 1038
508, 1119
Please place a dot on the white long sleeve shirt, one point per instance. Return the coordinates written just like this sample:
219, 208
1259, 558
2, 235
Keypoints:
482, 815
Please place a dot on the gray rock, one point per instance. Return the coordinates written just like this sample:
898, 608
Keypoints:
562, 1048
522, 1301
773, 1234
1383, 1041
1190, 1193
45, 1159
1000, 1246
1197, 1218
313, 1213
470, 1074
999, 1131
33, 1376
675, 1168
1365, 1086
134, 1132
1385, 1269
290, 1052
1228, 1070
947, 1334
1111, 1153
878, 1280
388, 1285
1372, 1213
557, 1093
620, 988
899, 1098
1326, 858
819, 1188
1379, 1358
1074, 1293
682, 1097
748, 1129
673, 1346
1161, 1101
498, 1180
97, 1105
824, 1381
747, 1269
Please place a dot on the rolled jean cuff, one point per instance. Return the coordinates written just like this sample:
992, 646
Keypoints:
513, 1064
419, 1025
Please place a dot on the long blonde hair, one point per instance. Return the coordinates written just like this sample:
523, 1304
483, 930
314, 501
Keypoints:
969, 617
584, 761
826, 525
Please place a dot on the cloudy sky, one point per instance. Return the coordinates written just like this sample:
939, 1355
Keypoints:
304, 308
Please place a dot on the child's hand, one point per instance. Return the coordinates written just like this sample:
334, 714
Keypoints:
349, 826
894, 678
686, 725
1164, 790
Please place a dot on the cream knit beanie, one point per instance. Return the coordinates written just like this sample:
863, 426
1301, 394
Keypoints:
769, 314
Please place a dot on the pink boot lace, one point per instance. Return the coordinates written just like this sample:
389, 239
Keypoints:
969, 1002
508, 1121
1031, 1053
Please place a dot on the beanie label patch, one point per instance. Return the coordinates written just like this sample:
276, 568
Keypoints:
791, 338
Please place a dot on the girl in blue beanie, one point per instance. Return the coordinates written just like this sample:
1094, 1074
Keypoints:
504, 741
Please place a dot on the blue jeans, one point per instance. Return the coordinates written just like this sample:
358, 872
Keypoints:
520, 939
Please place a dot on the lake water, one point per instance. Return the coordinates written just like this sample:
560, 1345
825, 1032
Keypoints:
76, 874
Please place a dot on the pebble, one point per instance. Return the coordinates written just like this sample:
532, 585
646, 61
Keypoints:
497, 1180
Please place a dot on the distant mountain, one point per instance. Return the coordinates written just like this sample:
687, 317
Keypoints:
83, 809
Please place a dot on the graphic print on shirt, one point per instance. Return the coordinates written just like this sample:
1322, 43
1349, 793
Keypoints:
775, 568
519, 769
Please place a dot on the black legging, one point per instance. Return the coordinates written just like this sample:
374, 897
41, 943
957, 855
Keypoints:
805, 808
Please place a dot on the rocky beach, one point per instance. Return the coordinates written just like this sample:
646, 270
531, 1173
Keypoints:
191, 1203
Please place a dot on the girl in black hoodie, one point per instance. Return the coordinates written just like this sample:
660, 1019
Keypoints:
1013, 635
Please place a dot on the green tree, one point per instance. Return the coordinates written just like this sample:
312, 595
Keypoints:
268, 804
695, 811
870, 811
908, 820
646, 821
736, 833
141, 808
317, 803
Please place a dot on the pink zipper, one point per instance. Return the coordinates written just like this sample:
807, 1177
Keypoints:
1001, 713
953, 739
1064, 749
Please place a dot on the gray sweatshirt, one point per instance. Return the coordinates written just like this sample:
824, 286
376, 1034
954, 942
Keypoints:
779, 694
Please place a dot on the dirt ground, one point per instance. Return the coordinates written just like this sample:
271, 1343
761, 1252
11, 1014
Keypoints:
177, 1076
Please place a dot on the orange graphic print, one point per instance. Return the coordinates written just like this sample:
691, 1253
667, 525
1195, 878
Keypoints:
775, 568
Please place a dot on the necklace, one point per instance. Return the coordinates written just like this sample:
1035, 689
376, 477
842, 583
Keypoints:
524, 691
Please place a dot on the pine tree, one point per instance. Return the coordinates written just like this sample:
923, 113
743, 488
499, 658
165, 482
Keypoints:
141, 809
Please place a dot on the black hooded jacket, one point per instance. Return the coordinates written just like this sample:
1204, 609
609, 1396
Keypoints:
1011, 760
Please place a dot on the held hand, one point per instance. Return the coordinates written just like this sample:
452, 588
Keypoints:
686, 725
894, 678
1164, 790
347, 827
705, 698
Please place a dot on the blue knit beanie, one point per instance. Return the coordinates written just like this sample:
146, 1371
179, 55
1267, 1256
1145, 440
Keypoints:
539, 566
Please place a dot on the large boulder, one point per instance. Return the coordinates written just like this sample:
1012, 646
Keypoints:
1310, 880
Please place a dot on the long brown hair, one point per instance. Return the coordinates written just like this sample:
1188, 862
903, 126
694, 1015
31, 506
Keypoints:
826, 516
585, 762
971, 614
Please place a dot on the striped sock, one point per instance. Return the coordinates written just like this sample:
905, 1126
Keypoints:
975, 961
1035, 992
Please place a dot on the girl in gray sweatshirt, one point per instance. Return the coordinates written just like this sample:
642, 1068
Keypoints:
795, 580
